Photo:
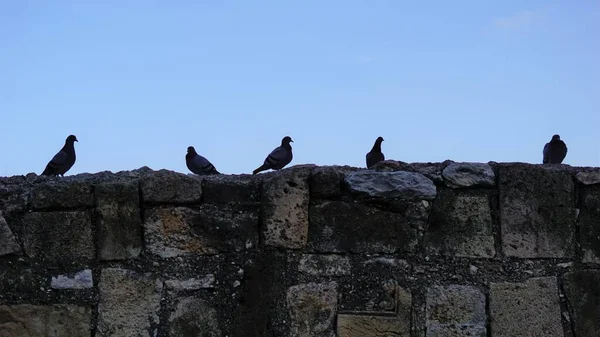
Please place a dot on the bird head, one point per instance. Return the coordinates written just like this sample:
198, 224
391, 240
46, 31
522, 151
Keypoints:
555, 137
191, 150
286, 140
72, 139
379, 139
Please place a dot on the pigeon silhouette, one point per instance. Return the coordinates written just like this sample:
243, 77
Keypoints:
279, 157
198, 164
555, 151
63, 160
375, 155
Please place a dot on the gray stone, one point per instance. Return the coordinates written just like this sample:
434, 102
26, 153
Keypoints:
589, 221
339, 227
194, 317
461, 225
285, 208
588, 178
8, 243
119, 220
526, 309
208, 281
312, 309
170, 187
389, 261
582, 289
398, 184
223, 189
129, 304
207, 230
324, 265
469, 175
432, 171
326, 181
62, 195
372, 326
58, 236
14, 195
455, 310
81, 280
60, 320
537, 211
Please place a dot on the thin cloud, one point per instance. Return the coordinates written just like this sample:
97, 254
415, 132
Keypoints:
519, 20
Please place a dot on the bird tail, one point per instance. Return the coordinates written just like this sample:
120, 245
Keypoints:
262, 167
48, 171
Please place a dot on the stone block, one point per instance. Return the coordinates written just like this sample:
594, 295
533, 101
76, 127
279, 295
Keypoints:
207, 230
206, 282
80, 280
455, 310
397, 184
14, 195
194, 317
312, 308
339, 227
223, 189
537, 211
589, 222
469, 175
168, 187
25, 320
129, 304
58, 236
461, 225
119, 220
8, 243
372, 326
582, 289
326, 181
324, 265
285, 209
62, 195
588, 178
526, 309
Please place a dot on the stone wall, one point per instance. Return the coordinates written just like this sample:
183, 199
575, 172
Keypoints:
405, 250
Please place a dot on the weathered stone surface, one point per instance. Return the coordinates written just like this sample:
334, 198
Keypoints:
119, 220
525, 309
62, 195
208, 230
129, 304
589, 222
469, 175
80, 280
223, 189
326, 181
8, 243
397, 184
285, 209
337, 226
312, 308
14, 195
372, 326
583, 296
461, 225
208, 281
588, 178
194, 317
455, 310
58, 236
432, 171
537, 211
324, 265
170, 187
27, 320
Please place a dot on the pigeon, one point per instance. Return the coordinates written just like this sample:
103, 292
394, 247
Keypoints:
555, 151
198, 164
375, 155
63, 160
279, 157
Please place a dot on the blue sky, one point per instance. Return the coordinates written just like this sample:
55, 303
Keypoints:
139, 81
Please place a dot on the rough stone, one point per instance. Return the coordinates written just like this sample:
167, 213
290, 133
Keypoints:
338, 227
312, 308
14, 195
135, 316
285, 209
324, 265
455, 310
389, 261
469, 175
223, 189
461, 225
80, 280
582, 289
372, 326
119, 221
589, 222
194, 317
526, 309
588, 178
326, 181
62, 195
170, 187
8, 242
432, 171
208, 281
25, 320
537, 211
58, 236
397, 184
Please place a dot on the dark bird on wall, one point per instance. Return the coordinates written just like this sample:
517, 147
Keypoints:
278, 158
375, 155
63, 160
198, 164
555, 151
